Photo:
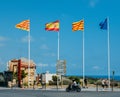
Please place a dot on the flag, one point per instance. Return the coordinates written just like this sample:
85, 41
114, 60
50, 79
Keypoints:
103, 25
78, 25
24, 25
52, 26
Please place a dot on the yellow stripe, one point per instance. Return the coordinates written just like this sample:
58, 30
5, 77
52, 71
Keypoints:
78, 25
52, 25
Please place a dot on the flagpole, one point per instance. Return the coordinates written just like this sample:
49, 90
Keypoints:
29, 58
108, 51
83, 61
58, 45
58, 54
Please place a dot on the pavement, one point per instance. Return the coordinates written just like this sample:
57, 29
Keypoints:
63, 89
29, 92
53, 92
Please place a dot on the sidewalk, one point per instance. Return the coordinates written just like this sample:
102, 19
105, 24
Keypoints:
100, 89
84, 89
62, 89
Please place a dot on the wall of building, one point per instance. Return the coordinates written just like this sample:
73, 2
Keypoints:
49, 77
13, 66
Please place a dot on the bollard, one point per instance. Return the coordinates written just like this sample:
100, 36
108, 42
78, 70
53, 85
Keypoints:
112, 86
97, 87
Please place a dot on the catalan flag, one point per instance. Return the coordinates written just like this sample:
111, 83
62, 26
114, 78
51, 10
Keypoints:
78, 25
52, 26
24, 25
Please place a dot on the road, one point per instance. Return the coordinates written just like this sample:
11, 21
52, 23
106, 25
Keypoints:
44, 93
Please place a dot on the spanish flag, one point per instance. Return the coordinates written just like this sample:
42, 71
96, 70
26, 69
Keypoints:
24, 25
52, 26
78, 25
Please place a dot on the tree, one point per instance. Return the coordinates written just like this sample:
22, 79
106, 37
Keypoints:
23, 75
54, 78
15, 76
77, 79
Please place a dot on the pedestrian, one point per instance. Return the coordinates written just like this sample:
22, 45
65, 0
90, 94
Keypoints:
85, 81
103, 83
106, 83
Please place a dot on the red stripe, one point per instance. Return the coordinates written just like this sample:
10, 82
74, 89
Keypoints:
52, 29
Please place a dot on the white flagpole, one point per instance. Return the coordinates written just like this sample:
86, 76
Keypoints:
58, 53
83, 61
29, 58
108, 51
58, 44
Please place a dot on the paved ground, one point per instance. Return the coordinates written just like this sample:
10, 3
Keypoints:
55, 93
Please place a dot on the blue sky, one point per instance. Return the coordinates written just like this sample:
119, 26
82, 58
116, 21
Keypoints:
13, 42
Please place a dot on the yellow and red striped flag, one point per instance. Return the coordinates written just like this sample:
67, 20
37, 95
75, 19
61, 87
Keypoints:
24, 25
78, 25
52, 26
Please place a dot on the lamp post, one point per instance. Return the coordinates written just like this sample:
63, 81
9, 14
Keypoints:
113, 73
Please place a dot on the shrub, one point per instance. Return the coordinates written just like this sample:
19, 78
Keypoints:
77, 79
66, 82
25, 84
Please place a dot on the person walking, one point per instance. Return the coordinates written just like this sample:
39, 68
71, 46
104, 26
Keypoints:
103, 84
85, 81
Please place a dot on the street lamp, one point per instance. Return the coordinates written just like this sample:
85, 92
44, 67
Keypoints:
113, 73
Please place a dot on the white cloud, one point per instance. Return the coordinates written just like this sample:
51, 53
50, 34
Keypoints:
49, 54
1, 44
44, 46
73, 64
3, 38
53, 54
43, 38
96, 67
53, 65
93, 3
42, 65
45, 65
25, 39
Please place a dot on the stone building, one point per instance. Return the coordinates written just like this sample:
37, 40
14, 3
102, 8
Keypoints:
18, 65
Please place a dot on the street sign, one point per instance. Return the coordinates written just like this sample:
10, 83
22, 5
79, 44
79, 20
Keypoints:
61, 67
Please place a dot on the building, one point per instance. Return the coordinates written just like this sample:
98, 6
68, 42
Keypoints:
46, 77
6, 78
2, 79
19, 65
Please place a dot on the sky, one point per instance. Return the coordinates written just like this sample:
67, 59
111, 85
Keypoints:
14, 44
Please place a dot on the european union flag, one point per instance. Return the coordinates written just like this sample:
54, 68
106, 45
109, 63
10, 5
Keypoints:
103, 25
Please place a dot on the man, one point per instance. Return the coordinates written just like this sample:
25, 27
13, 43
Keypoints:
85, 81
